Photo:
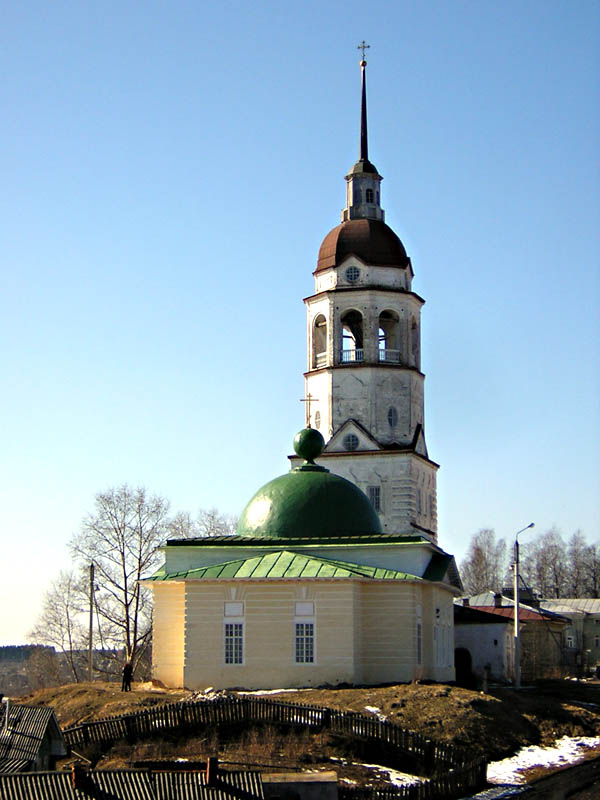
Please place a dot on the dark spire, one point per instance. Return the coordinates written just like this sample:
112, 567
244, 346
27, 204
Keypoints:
364, 143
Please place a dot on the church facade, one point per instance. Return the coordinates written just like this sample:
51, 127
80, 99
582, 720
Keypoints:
334, 574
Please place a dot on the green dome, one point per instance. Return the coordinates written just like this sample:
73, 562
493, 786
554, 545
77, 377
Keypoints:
308, 502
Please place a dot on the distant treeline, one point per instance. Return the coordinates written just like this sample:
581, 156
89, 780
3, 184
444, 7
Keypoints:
22, 652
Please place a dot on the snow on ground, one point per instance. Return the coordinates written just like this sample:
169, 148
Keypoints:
377, 712
565, 751
273, 691
393, 776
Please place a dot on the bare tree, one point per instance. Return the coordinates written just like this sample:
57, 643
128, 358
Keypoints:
121, 537
485, 564
59, 623
210, 522
43, 668
544, 565
592, 570
577, 562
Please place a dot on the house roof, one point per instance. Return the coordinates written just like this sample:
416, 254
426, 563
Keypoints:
285, 564
526, 614
132, 785
20, 741
588, 605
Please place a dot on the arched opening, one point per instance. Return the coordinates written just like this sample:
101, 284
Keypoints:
389, 337
319, 342
463, 664
352, 336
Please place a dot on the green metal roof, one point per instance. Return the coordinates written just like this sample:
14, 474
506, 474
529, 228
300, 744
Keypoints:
334, 541
285, 564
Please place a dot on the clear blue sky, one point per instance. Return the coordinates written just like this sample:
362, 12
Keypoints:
169, 171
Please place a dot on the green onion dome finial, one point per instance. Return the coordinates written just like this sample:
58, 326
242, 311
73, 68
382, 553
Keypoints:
309, 444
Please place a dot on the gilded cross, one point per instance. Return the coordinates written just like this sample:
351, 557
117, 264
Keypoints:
308, 400
363, 46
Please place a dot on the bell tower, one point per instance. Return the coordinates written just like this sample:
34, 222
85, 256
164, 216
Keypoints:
364, 381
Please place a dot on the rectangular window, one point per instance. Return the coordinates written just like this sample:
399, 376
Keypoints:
374, 493
234, 642
305, 642
596, 641
419, 643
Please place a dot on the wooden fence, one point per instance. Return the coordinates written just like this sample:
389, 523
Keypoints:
450, 770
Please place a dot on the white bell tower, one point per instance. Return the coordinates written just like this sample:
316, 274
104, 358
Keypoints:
364, 382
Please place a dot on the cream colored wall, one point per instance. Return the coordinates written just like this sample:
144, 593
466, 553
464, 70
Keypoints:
269, 634
168, 633
365, 632
386, 633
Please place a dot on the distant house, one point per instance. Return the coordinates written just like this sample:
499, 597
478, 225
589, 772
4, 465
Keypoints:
582, 635
542, 638
483, 645
129, 784
30, 739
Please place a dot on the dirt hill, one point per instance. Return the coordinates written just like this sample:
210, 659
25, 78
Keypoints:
493, 724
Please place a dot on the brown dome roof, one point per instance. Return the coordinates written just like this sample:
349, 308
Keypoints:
371, 240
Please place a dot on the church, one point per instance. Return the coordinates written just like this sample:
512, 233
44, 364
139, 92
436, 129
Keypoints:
334, 574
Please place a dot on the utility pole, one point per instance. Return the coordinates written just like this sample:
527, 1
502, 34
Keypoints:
517, 642
91, 645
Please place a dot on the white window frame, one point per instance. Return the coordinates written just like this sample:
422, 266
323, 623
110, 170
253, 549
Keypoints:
233, 622
305, 615
374, 495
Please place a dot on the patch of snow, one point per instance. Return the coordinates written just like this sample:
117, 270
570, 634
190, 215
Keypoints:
393, 776
377, 712
568, 750
272, 691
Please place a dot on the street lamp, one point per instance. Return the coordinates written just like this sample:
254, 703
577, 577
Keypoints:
517, 647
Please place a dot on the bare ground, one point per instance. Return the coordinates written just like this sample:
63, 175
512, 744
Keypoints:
495, 724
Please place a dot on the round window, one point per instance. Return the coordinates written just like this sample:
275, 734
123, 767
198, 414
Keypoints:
350, 441
352, 274
318, 419
392, 417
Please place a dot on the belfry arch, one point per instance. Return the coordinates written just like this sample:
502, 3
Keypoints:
389, 348
352, 344
319, 342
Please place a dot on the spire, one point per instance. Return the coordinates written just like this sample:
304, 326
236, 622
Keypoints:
362, 191
364, 143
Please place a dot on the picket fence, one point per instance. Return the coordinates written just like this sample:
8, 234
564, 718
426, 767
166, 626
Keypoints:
449, 770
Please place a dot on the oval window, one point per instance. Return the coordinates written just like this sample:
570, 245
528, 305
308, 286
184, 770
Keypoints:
392, 417
318, 419
352, 274
351, 441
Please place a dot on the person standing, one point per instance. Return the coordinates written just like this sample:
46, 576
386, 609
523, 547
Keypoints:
127, 676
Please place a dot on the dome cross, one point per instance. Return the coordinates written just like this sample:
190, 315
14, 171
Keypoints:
363, 46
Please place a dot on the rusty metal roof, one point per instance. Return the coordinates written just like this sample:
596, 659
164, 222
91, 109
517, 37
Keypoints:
371, 240
21, 739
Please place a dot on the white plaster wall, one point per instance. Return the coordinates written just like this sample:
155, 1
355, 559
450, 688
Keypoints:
392, 277
401, 477
487, 644
410, 558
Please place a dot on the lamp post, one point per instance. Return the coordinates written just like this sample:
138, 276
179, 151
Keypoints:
517, 643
